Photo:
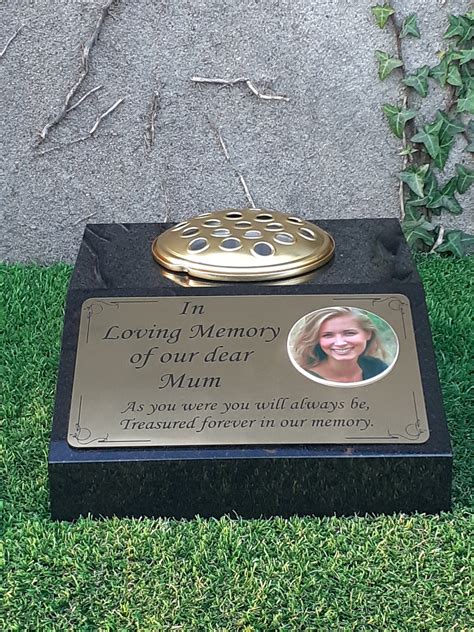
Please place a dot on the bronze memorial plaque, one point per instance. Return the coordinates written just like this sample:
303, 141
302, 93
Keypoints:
236, 370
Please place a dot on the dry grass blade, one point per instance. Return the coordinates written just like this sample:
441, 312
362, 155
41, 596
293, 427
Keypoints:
220, 140
50, 150
246, 190
225, 151
87, 94
439, 239
166, 200
83, 219
90, 43
102, 116
223, 82
268, 97
88, 136
150, 132
250, 85
12, 38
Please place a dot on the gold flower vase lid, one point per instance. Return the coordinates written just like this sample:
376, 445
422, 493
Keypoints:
243, 245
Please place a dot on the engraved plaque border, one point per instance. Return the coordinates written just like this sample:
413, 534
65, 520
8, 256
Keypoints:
84, 434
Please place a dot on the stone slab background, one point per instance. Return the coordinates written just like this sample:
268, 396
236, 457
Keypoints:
327, 152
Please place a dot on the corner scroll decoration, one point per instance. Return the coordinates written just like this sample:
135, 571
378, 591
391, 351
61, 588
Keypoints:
394, 303
94, 309
83, 435
413, 430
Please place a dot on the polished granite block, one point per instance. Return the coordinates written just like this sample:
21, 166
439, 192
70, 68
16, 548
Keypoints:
251, 481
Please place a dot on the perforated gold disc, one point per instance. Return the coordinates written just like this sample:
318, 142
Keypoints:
243, 245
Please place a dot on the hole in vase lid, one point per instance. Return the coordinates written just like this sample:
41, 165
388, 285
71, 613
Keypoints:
307, 233
220, 232
198, 245
274, 226
180, 226
190, 232
284, 238
233, 215
243, 224
263, 249
252, 234
230, 244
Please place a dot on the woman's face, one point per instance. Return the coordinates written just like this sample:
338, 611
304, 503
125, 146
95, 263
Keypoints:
342, 338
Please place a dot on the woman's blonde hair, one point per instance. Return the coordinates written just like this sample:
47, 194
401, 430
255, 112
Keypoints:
306, 349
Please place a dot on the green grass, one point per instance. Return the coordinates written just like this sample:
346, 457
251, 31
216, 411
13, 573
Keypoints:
376, 573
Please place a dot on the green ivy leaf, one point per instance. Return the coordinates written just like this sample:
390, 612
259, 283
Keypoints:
411, 214
437, 200
468, 32
445, 145
387, 63
457, 242
453, 29
470, 136
465, 178
397, 118
459, 27
453, 76
430, 190
414, 177
449, 187
450, 204
467, 89
464, 56
450, 55
420, 202
466, 104
467, 72
429, 136
417, 228
450, 127
381, 13
416, 202
431, 186
445, 198
440, 72
410, 27
419, 80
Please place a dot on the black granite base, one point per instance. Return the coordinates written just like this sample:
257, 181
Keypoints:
251, 481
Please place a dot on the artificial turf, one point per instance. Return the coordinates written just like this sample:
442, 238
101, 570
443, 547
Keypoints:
377, 573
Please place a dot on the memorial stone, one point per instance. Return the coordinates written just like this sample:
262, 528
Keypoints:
180, 396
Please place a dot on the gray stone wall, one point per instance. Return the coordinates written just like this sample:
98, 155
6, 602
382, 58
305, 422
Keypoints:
326, 152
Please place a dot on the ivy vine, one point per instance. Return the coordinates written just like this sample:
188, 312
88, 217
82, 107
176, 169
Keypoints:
426, 147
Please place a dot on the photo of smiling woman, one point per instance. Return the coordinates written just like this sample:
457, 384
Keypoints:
343, 346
